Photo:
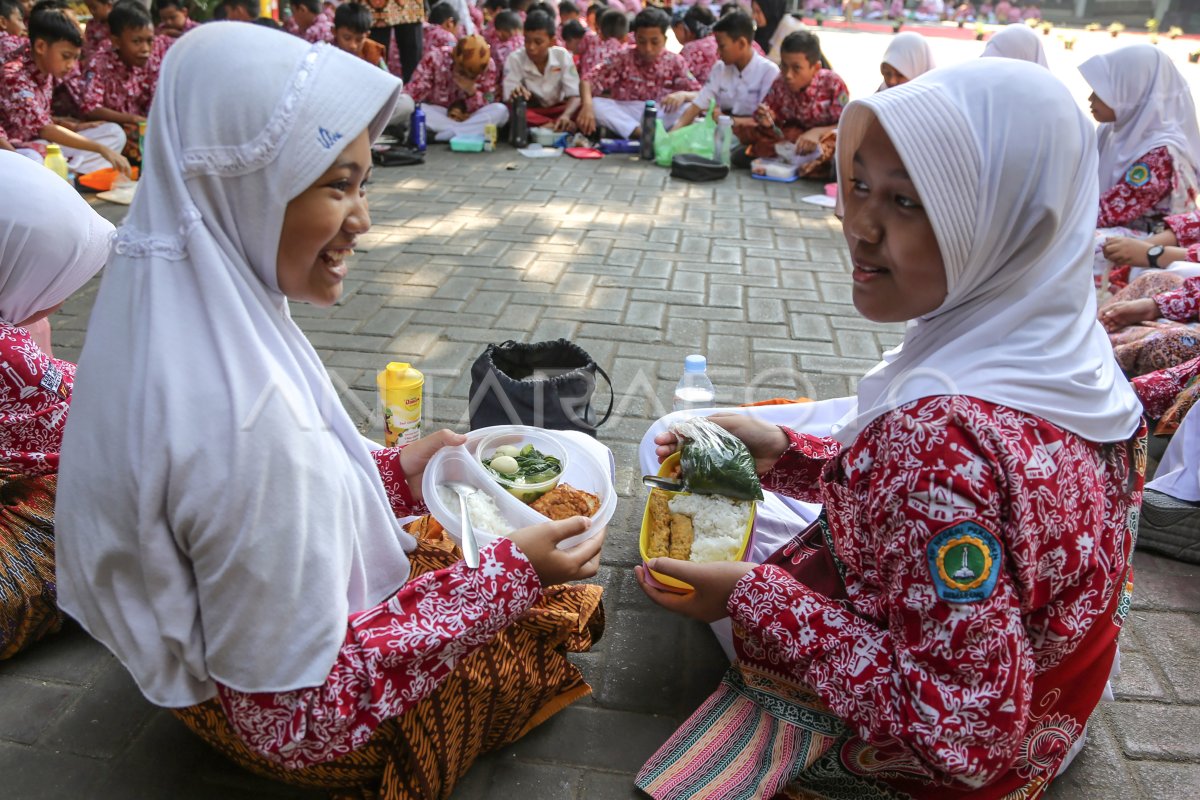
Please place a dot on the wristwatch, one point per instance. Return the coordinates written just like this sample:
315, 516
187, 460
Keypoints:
1152, 255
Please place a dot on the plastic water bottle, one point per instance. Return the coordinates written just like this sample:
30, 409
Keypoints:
56, 162
724, 140
416, 130
694, 389
649, 123
520, 124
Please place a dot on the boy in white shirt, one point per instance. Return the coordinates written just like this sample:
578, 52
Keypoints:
738, 82
544, 75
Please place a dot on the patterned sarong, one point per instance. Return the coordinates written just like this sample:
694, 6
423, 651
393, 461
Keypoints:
494, 697
28, 607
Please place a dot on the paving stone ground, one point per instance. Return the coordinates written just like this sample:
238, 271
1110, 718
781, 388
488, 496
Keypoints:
640, 270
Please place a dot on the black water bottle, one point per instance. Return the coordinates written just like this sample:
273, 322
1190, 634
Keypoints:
520, 125
649, 123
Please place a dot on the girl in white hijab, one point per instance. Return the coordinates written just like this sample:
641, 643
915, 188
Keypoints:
950, 622
224, 528
51, 244
1149, 140
1016, 41
907, 56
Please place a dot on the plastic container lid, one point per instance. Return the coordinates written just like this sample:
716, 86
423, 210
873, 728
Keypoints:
695, 363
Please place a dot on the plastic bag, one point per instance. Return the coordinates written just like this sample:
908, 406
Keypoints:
714, 461
695, 138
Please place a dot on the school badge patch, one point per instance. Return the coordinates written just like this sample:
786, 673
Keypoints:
964, 562
1138, 174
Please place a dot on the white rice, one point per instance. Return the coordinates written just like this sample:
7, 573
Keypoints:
482, 509
718, 525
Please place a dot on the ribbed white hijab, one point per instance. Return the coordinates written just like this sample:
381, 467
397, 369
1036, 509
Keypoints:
1016, 41
1012, 197
219, 516
51, 241
1154, 108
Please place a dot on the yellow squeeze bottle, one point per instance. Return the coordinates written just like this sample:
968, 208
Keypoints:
56, 162
400, 387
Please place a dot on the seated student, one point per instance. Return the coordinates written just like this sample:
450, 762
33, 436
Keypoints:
490, 9
567, 12
907, 56
1006, 12
51, 244
615, 93
508, 38
1016, 41
1148, 137
351, 29
241, 554
457, 89
767, 14
738, 84
311, 21
97, 37
577, 39
121, 81
27, 88
441, 29
544, 75
803, 106
592, 15
613, 39
693, 28
174, 18
963, 592
14, 38
351, 32
241, 10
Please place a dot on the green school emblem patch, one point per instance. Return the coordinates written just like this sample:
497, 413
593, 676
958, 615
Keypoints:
1138, 174
964, 562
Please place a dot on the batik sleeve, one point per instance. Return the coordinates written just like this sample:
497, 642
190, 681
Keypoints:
949, 673
797, 473
399, 494
1145, 184
1158, 390
394, 656
1182, 304
1186, 228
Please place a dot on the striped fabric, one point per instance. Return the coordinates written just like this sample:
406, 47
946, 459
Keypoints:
28, 610
752, 737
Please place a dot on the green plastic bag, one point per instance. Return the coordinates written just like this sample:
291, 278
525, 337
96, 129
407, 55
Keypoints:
695, 138
714, 461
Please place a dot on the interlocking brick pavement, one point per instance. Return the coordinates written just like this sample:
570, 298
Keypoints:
640, 270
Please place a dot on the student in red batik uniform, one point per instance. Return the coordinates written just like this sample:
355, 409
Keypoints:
950, 623
51, 244
240, 549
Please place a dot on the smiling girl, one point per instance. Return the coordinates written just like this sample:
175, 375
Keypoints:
224, 529
949, 623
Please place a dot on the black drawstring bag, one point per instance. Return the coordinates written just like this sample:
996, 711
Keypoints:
543, 384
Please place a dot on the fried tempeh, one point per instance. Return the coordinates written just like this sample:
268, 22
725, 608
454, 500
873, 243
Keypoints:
660, 525
681, 537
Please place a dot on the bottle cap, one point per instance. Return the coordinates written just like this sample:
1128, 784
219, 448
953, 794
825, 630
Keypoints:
651, 104
725, 120
695, 363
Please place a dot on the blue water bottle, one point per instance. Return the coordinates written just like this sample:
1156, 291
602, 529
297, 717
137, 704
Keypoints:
416, 129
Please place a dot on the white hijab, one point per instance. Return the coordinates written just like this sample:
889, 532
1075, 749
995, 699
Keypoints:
219, 517
1012, 198
51, 241
1016, 41
909, 54
1154, 108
